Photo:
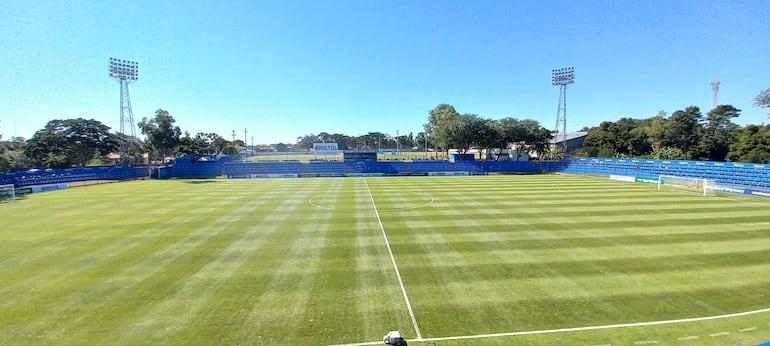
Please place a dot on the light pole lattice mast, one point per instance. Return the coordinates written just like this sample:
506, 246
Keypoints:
714, 92
561, 78
125, 72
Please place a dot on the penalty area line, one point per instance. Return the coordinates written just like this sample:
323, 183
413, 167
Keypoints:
578, 329
395, 266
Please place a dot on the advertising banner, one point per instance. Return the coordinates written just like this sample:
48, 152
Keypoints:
51, 187
760, 193
622, 178
325, 148
646, 180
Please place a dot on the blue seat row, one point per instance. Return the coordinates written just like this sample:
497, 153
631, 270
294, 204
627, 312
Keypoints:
728, 173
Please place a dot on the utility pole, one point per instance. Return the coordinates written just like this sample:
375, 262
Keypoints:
714, 92
397, 140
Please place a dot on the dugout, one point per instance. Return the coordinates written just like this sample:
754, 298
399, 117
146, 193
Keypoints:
454, 157
192, 166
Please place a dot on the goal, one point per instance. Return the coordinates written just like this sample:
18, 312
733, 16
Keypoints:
672, 182
7, 193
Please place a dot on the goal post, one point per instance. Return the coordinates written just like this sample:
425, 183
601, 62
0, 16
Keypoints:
673, 182
7, 193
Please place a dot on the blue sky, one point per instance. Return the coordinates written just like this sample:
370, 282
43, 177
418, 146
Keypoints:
283, 69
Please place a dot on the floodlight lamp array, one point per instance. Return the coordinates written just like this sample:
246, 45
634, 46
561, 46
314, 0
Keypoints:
124, 69
563, 76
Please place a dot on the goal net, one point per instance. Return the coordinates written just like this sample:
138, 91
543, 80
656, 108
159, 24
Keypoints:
672, 182
7, 193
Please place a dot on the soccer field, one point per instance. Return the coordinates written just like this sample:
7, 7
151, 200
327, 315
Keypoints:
535, 259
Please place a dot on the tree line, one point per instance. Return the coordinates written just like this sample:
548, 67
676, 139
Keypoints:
446, 129
65, 143
685, 134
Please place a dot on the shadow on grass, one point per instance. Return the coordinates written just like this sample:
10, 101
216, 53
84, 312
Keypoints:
18, 198
198, 182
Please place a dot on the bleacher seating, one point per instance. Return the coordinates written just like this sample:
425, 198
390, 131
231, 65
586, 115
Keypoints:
753, 175
54, 176
747, 174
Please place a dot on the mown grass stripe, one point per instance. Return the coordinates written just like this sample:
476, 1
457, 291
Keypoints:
252, 262
273, 310
181, 306
67, 262
395, 264
166, 266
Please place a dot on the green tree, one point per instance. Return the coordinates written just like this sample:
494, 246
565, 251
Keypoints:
443, 126
161, 134
420, 141
468, 130
668, 153
656, 129
409, 140
509, 130
134, 149
202, 144
638, 141
281, 147
305, 142
531, 136
541, 141
371, 140
344, 142
215, 142
752, 144
623, 137
230, 151
192, 145
12, 155
684, 131
486, 135
719, 131
763, 99
70, 142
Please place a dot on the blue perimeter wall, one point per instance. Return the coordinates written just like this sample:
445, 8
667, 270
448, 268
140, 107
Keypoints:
55, 176
747, 174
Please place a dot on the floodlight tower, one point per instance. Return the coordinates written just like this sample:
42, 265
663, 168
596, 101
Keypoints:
561, 78
125, 72
714, 92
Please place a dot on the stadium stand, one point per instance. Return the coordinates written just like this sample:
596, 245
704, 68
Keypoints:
54, 176
745, 174
193, 166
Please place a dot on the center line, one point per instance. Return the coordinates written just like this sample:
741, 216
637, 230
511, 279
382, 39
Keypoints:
395, 266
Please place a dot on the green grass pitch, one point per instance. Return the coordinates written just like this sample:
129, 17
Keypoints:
305, 262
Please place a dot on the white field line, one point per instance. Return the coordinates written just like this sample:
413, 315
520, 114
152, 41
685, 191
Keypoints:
578, 329
395, 266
